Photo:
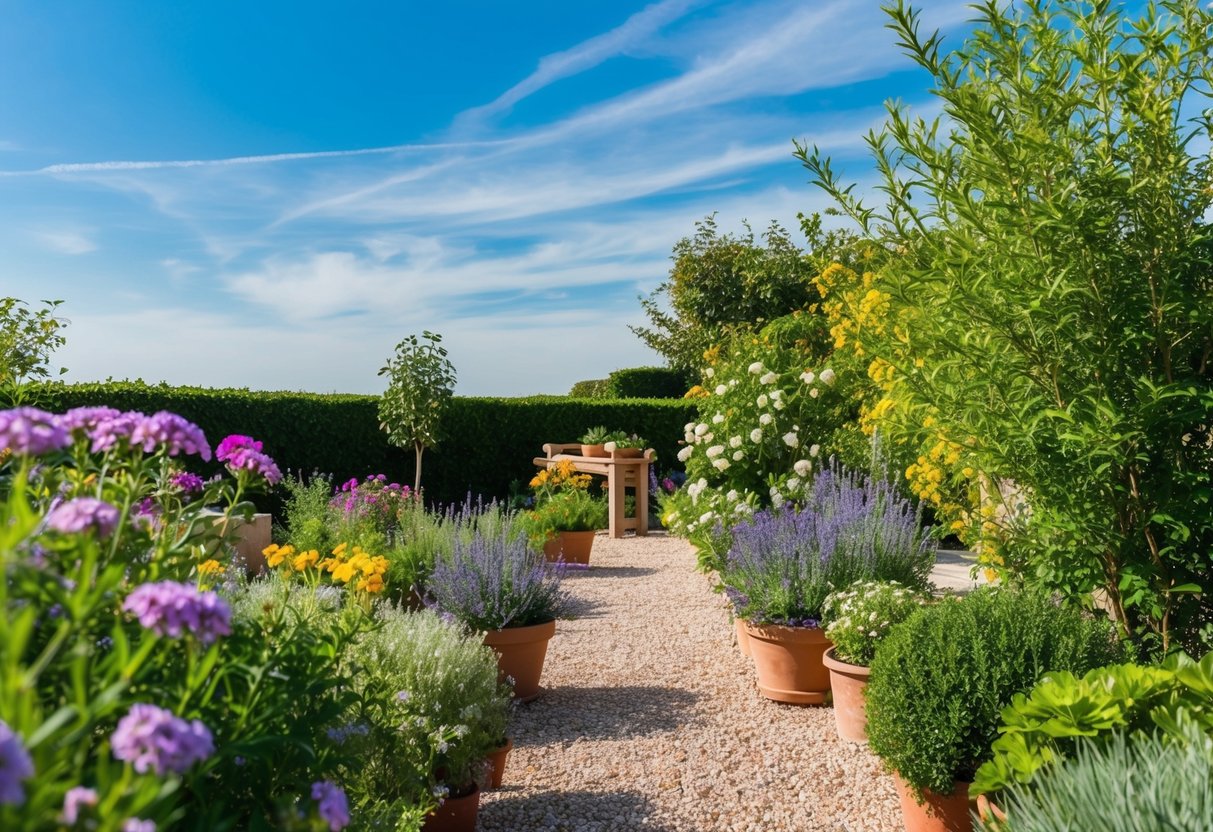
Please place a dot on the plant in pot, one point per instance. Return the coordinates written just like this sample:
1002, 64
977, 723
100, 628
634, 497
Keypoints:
430, 709
941, 678
625, 446
782, 564
499, 586
856, 620
564, 526
594, 440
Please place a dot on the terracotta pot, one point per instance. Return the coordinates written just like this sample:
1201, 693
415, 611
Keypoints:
847, 682
497, 759
989, 812
937, 812
520, 654
456, 814
788, 661
743, 638
593, 450
571, 547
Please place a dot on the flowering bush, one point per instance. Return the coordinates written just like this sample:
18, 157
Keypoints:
859, 617
559, 478
568, 511
784, 562
348, 565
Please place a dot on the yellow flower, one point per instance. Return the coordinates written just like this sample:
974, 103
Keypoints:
344, 572
210, 567
306, 559
275, 554
339, 549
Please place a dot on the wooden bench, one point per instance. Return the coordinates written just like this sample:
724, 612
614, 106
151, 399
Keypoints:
621, 473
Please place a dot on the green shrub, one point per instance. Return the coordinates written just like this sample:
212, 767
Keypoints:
858, 618
575, 510
648, 383
598, 388
941, 678
1128, 784
1063, 709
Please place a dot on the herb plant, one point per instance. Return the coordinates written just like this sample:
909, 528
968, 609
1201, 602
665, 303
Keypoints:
858, 618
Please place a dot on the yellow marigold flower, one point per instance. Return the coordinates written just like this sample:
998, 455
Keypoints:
339, 549
968, 472
343, 572
304, 560
372, 584
275, 555
210, 567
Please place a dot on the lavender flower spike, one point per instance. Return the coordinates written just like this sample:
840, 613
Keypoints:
30, 431
171, 609
332, 805
84, 514
15, 766
151, 738
77, 798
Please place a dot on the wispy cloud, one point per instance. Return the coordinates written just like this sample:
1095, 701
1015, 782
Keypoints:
66, 241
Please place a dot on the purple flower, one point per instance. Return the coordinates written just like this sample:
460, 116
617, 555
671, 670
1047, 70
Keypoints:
30, 431
106, 432
15, 766
187, 483
138, 825
86, 419
75, 799
247, 459
84, 514
171, 432
332, 805
170, 609
233, 443
152, 738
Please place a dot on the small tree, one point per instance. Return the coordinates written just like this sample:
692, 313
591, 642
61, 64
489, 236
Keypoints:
421, 381
27, 339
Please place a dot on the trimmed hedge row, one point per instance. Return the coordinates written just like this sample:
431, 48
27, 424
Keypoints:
595, 388
648, 383
490, 441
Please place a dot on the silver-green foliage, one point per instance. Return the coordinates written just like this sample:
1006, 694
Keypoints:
1136, 784
421, 382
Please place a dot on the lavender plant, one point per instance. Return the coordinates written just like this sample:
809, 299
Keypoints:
490, 582
784, 562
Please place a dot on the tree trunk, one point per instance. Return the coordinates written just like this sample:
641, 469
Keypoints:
418, 450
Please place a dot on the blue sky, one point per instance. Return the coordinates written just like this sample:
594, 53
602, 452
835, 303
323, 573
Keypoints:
273, 194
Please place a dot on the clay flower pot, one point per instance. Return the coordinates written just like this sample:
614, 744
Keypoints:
847, 681
937, 812
456, 814
520, 654
743, 638
788, 661
497, 759
571, 547
593, 450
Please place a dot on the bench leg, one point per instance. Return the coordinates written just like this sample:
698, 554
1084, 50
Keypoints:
642, 501
615, 502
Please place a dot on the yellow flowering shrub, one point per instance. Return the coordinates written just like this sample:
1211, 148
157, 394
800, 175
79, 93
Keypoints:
345, 565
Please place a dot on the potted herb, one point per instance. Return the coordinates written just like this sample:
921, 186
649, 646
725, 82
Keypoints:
783, 563
856, 620
499, 586
594, 439
943, 676
565, 525
626, 447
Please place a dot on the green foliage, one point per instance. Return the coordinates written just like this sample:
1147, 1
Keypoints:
1051, 287
27, 339
857, 619
599, 388
648, 383
721, 284
306, 514
421, 382
575, 510
942, 677
1128, 784
1047, 724
598, 435
339, 434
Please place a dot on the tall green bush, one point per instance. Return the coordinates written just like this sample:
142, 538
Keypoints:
421, 382
648, 383
1049, 296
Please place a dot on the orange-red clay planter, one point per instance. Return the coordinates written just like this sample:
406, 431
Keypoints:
593, 450
788, 661
571, 547
847, 682
456, 814
743, 638
938, 812
497, 758
520, 654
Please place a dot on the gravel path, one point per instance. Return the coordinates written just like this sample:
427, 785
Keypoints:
650, 721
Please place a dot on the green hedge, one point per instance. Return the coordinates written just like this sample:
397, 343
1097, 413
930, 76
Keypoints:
648, 383
490, 441
596, 388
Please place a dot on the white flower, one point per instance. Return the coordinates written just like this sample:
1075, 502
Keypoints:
732, 495
776, 395
762, 400
718, 418
715, 451
709, 372
707, 437
777, 500
779, 405
827, 376
721, 389
814, 450
873, 634
769, 378
743, 508
791, 439
738, 456
701, 429
808, 377
735, 442
774, 490
793, 483
706, 517
732, 382
803, 466
720, 464
685, 453
688, 427
757, 367
814, 393
756, 435
765, 419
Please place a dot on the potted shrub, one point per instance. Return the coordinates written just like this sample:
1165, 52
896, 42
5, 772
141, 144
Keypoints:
626, 447
564, 526
941, 678
593, 440
430, 709
856, 620
499, 586
783, 562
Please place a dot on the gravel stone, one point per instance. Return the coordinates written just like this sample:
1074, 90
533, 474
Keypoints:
650, 721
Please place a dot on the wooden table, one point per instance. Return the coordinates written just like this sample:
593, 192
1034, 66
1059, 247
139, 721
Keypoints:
621, 473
